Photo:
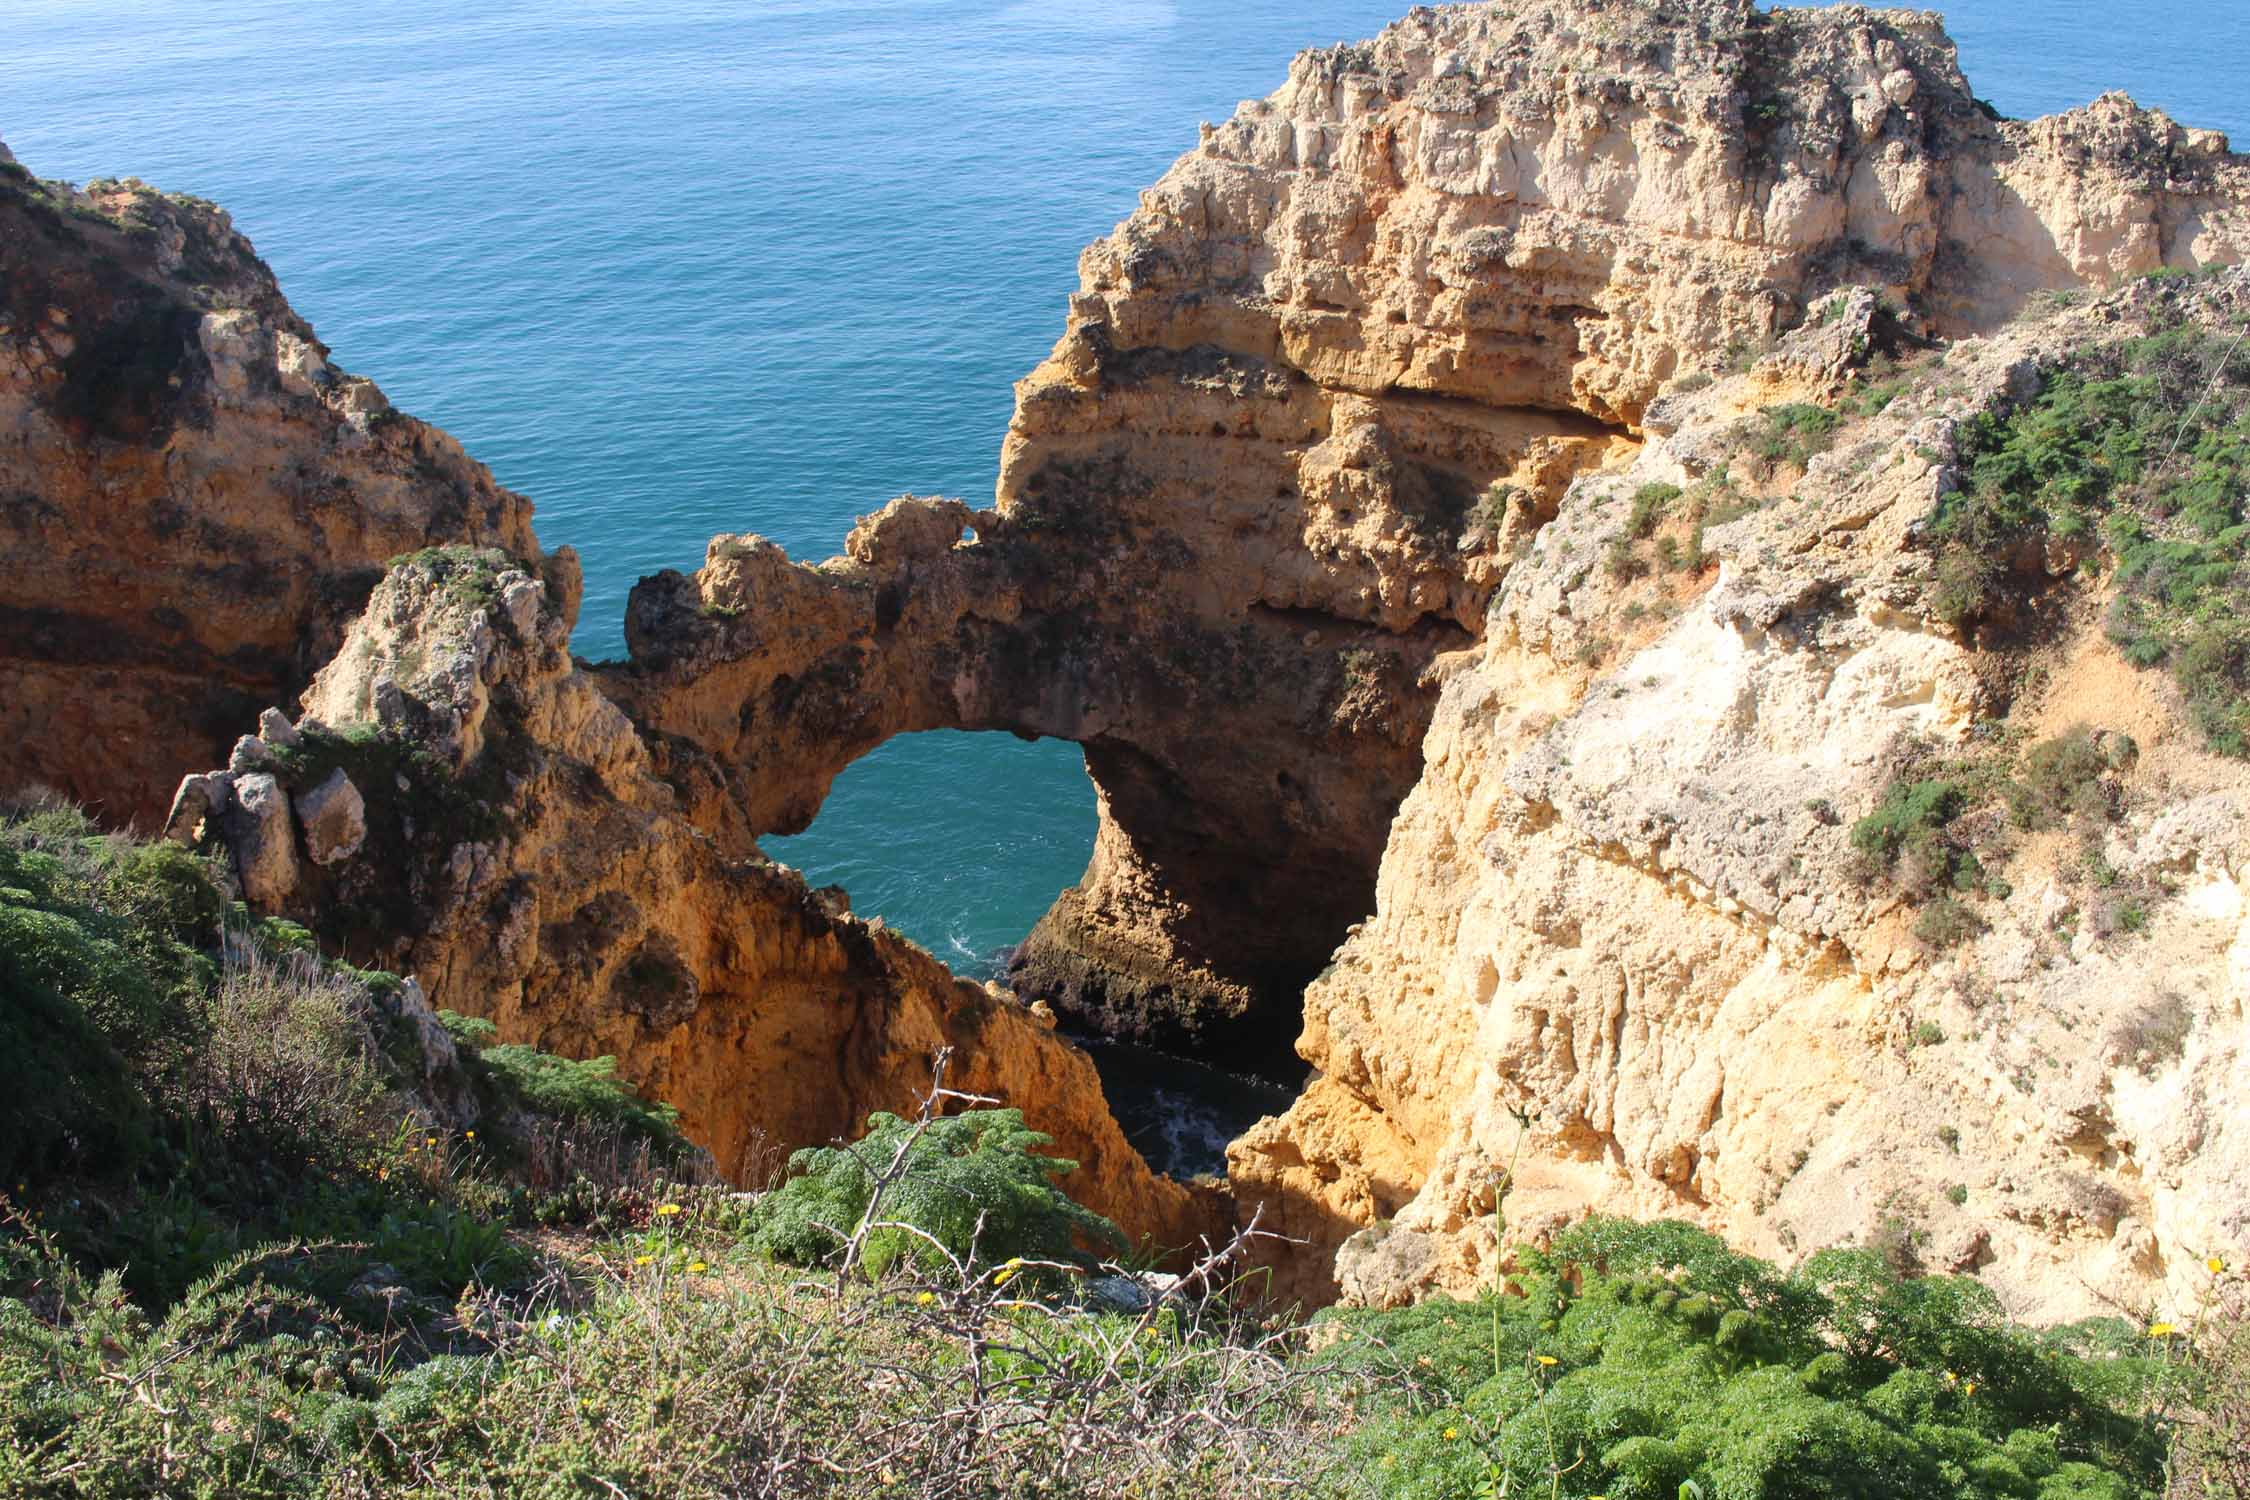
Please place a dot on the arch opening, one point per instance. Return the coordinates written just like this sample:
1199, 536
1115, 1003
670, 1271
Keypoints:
960, 840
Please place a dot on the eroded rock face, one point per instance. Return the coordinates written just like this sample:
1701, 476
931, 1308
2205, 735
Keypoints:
1625, 946
193, 501
1248, 504
515, 853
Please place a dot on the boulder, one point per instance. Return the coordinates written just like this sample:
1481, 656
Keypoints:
201, 796
256, 823
250, 754
334, 818
275, 729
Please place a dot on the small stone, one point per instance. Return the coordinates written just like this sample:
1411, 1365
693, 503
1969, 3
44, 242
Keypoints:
202, 796
250, 754
334, 817
275, 729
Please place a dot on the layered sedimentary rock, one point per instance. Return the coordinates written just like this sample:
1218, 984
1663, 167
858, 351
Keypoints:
1628, 956
502, 838
1333, 491
1314, 393
200, 512
193, 501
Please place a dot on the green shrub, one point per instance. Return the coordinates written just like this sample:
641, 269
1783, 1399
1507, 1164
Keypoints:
1492, 507
1621, 562
1650, 502
1910, 820
1633, 1359
2063, 777
99, 987
2147, 443
1944, 922
976, 1183
512, 1078
1793, 433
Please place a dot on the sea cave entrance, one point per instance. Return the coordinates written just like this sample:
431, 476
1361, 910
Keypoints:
961, 841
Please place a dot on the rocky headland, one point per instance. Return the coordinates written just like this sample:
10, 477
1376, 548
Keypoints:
1536, 530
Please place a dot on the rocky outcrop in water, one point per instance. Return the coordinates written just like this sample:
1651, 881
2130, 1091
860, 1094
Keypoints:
193, 501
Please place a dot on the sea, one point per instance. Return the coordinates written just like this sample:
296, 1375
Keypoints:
682, 267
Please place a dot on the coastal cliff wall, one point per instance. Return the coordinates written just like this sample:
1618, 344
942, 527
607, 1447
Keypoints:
1316, 394
1499, 506
460, 802
193, 501
1661, 932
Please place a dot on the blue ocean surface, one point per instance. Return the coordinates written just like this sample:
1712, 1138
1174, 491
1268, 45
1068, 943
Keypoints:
683, 267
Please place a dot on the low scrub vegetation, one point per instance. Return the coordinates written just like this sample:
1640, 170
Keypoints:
1938, 835
1647, 1360
1791, 434
244, 1251
2140, 449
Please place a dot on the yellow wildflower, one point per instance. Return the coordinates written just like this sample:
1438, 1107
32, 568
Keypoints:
698, 1266
1970, 1389
1000, 1277
1451, 1433
2218, 1266
666, 1210
1546, 1359
2161, 1330
925, 1299
644, 1260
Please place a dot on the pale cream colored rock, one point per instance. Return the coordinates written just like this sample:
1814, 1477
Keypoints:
276, 730
201, 797
1622, 900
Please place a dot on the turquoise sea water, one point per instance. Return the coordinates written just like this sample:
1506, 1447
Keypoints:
687, 266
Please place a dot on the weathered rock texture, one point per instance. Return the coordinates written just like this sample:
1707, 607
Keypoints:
515, 853
1243, 506
192, 499
1622, 943
1327, 493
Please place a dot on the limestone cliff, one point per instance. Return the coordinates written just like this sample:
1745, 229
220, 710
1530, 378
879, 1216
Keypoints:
1315, 393
203, 514
1508, 482
461, 803
1628, 943
192, 499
